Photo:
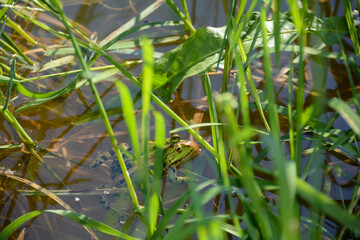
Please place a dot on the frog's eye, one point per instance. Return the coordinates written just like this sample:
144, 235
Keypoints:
178, 148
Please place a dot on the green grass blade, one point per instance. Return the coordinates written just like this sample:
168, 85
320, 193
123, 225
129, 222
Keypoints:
148, 72
215, 131
154, 205
12, 120
290, 107
347, 113
130, 120
352, 29
162, 105
21, 31
188, 25
270, 91
17, 49
173, 210
225, 104
10, 83
244, 58
277, 10
106, 121
113, 37
4, 9
79, 218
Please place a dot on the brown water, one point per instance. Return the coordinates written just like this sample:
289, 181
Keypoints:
73, 146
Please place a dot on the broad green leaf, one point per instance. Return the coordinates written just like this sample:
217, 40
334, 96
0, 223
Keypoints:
332, 29
197, 54
200, 51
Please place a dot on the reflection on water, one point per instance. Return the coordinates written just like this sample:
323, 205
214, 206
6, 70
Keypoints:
70, 132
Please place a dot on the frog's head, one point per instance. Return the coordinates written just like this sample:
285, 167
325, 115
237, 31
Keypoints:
180, 152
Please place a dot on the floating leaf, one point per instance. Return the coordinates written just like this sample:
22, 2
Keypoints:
197, 54
333, 29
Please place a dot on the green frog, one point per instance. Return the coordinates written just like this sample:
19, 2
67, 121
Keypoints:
176, 152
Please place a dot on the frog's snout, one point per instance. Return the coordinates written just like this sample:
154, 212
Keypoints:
196, 149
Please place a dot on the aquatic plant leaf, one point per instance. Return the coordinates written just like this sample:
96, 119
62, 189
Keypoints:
200, 51
197, 54
333, 29
330, 30
41, 98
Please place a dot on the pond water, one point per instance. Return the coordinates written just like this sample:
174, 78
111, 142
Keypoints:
71, 130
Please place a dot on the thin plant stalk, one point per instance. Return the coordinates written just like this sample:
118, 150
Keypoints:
188, 25
102, 111
285, 169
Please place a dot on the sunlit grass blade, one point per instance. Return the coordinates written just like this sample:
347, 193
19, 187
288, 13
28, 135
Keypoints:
12, 76
215, 131
287, 171
161, 104
29, 17
77, 217
148, 72
57, 63
114, 36
244, 59
38, 188
130, 120
154, 205
16, 49
270, 91
21, 32
4, 9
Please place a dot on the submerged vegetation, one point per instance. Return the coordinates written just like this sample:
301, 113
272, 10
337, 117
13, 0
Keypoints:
273, 165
